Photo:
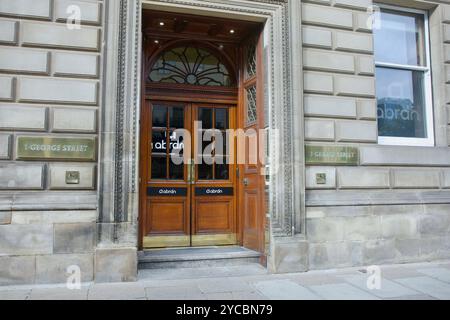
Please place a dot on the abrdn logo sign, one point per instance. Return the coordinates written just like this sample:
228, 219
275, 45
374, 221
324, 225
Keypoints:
214, 147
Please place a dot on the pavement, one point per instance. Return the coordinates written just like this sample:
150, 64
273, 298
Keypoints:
419, 281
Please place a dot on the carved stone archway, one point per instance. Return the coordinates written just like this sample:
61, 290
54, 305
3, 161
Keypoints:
119, 176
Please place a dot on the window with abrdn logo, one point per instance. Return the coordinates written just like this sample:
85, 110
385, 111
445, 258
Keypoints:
403, 77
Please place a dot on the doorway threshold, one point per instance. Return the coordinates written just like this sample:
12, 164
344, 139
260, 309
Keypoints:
197, 257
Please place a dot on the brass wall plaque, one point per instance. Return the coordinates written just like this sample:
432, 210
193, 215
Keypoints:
82, 149
329, 155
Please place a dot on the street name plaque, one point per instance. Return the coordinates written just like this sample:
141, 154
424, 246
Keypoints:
81, 149
329, 155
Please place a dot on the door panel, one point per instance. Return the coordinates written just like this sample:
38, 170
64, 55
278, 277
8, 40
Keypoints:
213, 194
252, 204
166, 210
189, 204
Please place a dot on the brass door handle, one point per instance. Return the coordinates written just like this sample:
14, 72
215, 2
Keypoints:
191, 171
245, 182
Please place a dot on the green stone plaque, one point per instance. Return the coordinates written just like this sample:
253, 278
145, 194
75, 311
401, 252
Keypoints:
81, 149
329, 155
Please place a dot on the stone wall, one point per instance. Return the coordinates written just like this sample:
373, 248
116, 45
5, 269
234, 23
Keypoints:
49, 86
393, 206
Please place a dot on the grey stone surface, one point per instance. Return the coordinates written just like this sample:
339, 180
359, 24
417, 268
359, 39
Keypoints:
44, 217
26, 239
8, 31
18, 60
5, 146
389, 289
118, 264
5, 217
58, 90
223, 285
327, 16
59, 36
7, 88
40, 9
75, 65
290, 256
354, 178
441, 274
24, 118
16, 295
74, 120
57, 176
74, 238
58, 294
311, 177
284, 290
91, 10
17, 270
432, 287
174, 293
53, 268
126, 291
341, 291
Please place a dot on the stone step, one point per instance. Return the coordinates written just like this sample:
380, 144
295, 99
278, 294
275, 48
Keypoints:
197, 257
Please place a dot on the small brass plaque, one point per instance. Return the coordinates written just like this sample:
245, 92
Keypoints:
329, 155
321, 178
82, 149
73, 177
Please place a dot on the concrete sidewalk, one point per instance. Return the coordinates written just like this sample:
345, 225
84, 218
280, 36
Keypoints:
251, 282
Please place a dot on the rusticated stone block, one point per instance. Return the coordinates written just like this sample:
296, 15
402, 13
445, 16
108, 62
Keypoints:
115, 264
74, 238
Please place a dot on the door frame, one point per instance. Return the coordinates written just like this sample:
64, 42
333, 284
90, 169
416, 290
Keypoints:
145, 133
233, 96
118, 187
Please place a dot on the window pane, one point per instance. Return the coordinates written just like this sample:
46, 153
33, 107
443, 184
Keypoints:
399, 38
176, 116
222, 168
205, 115
159, 142
222, 119
176, 172
159, 116
401, 103
205, 171
159, 166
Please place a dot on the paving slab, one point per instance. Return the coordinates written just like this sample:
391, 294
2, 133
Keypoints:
389, 289
59, 294
429, 286
219, 296
284, 290
15, 295
442, 274
116, 291
224, 285
174, 293
252, 295
342, 291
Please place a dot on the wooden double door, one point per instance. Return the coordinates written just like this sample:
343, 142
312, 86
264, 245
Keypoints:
190, 175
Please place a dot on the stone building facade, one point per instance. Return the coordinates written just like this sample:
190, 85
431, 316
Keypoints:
79, 89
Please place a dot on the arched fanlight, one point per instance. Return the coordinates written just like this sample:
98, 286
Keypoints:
192, 66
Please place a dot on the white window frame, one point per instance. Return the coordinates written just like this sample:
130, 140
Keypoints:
428, 95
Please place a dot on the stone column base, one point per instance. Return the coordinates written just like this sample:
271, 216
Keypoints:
115, 265
288, 255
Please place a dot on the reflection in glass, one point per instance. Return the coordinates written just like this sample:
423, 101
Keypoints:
159, 116
205, 115
399, 38
401, 103
205, 171
176, 116
159, 142
176, 172
222, 119
159, 167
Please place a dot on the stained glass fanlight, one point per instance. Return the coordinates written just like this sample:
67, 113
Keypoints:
192, 66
